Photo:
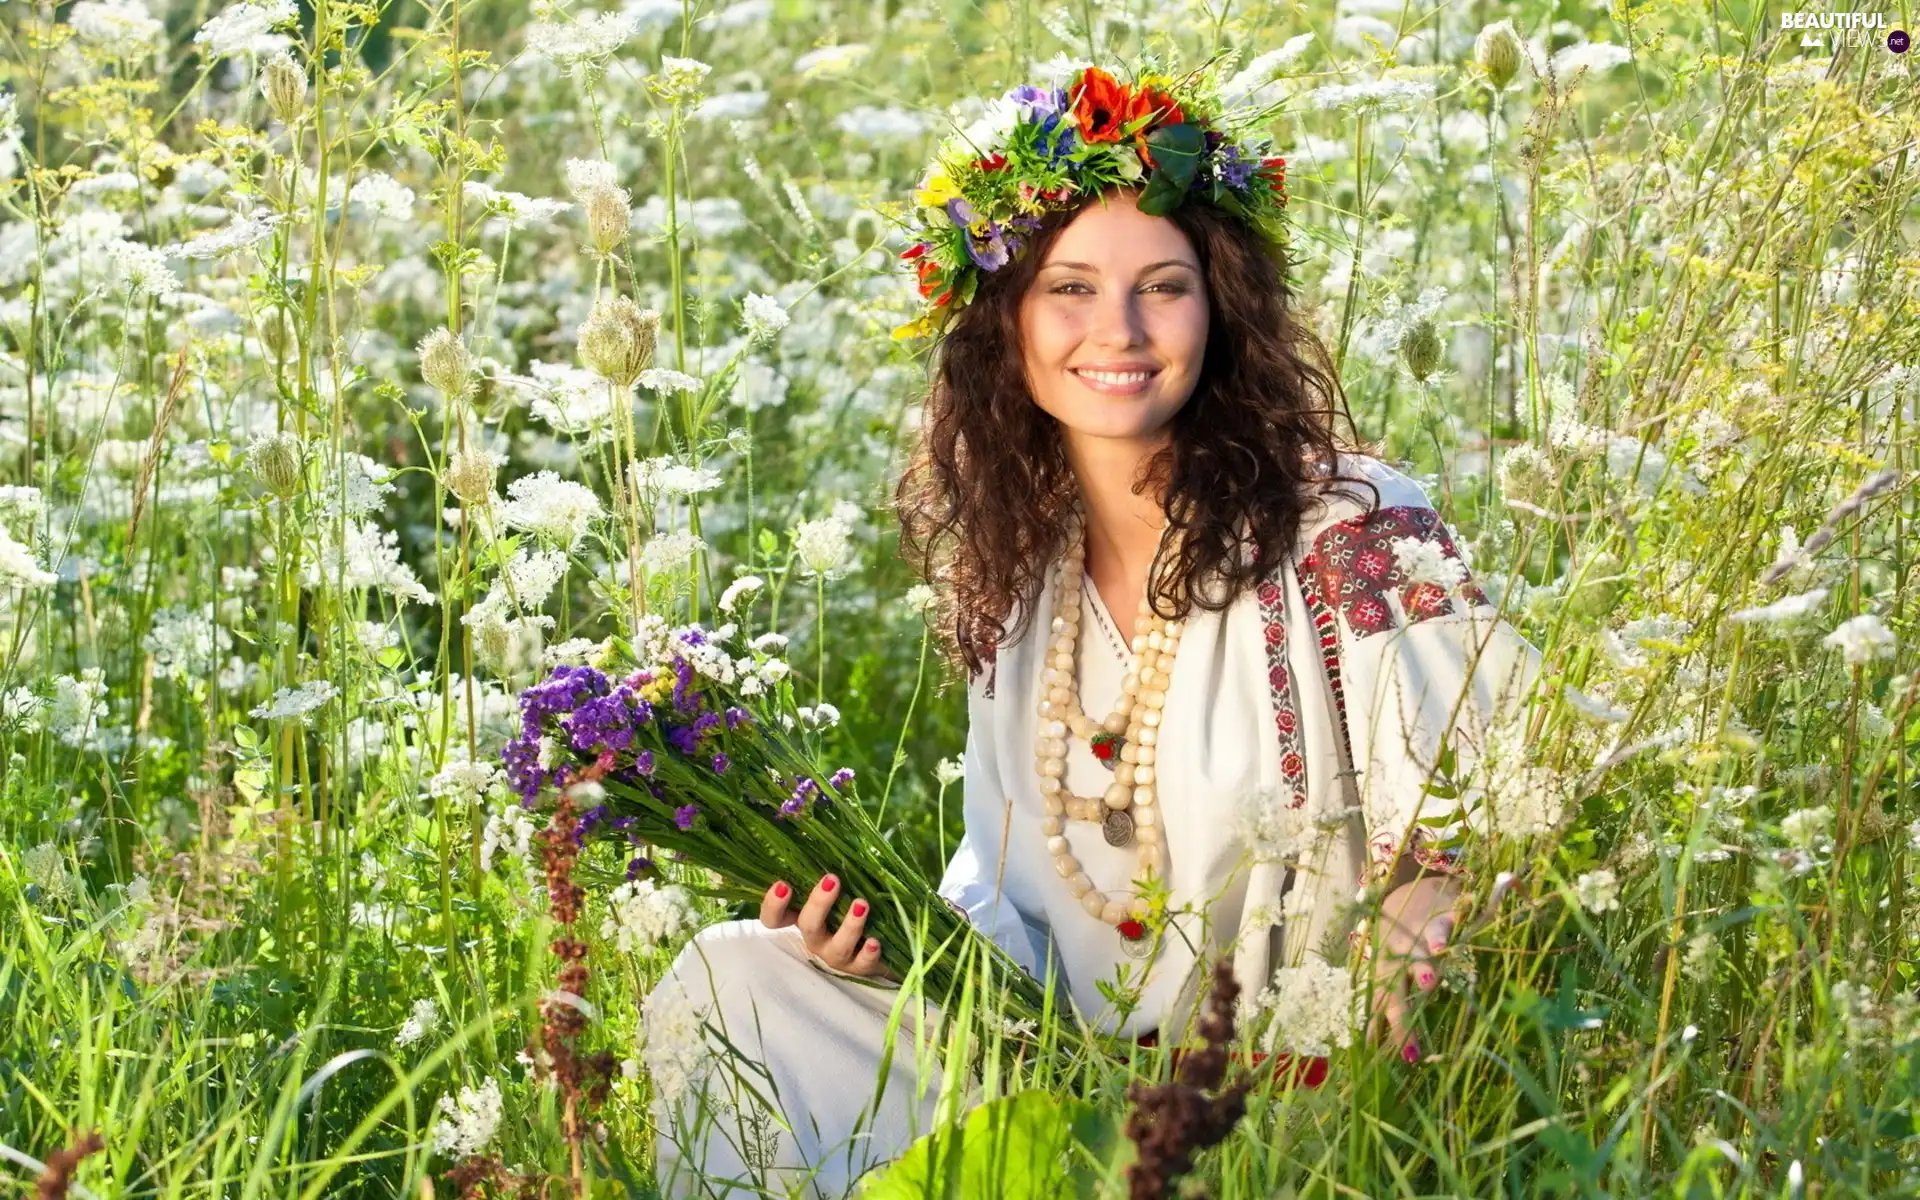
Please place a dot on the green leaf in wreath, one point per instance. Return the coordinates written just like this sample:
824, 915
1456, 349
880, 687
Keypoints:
1176, 156
1032, 1145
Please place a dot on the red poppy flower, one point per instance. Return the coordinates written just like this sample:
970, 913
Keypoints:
1132, 930
1276, 171
914, 251
1100, 106
992, 162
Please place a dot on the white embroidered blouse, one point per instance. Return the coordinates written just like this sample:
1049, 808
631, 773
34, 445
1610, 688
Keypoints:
1268, 832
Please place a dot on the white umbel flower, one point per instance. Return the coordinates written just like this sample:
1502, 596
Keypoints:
673, 1044
19, 568
642, 916
765, 317
1312, 1006
466, 1125
740, 590
424, 1019
1780, 612
239, 27
1861, 639
1597, 891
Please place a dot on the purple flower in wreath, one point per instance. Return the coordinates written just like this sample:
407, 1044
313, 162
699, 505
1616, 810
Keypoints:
643, 763
720, 764
589, 820
841, 778
684, 699
602, 723
683, 817
1232, 170
684, 739
704, 722
737, 716
639, 868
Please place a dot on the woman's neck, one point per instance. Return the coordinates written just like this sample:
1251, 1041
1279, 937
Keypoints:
1123, 528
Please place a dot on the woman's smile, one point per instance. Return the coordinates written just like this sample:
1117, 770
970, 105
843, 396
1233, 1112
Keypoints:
1116, 381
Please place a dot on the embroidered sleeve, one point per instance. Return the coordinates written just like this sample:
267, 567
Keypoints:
1423, 662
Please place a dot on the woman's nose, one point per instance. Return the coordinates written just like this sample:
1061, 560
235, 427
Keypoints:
1117, 320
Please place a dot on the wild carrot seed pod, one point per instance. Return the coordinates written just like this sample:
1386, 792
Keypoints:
617, 339
1498, 50
608, 217
284, 83
445, 363
275, 459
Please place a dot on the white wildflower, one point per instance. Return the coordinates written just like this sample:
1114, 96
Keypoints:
1281, 826
764, 316
1312, 1008
1784, 610
1592, 706
368, 558
1421, 561
949, 771
516, 209
1861, 639
741, 589
240, 27
1597, 891
1807, 827
19, 568
465, 1126
556, 509
584, 45
825, 546
769, 643
236, 235
642, 916
78, 703
667, 381
828, 60
668, 553
823, 717
921, 598
463, 782
424, 1019
383, 196
509, 831
680, 78
673, 1043
142, 270
123, 30
1384, 95
586, 174
1591, 57
1703, 952
1241, 88
297, 703
46, 868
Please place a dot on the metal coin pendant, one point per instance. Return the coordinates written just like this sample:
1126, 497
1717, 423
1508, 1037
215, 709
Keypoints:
1117, 828
1138, 947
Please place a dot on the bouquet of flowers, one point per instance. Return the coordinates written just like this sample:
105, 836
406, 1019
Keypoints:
702, 751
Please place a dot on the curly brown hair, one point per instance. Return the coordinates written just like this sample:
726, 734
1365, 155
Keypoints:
985, 500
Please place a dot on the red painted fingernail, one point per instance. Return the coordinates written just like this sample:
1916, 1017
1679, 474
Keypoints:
781, 890
872, 946
829, 883
1411, 1052
859, 908
1424, 977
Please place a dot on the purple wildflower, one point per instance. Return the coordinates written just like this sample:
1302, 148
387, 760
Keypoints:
643, 763
682, 682
684, 815
792, 805
639, 868
737, 716
602, 723
720, 764
840, 779
684, 739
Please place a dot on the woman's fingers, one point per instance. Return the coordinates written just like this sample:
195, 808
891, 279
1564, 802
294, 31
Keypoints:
845, 943
1438, 932
813, 914
775, 910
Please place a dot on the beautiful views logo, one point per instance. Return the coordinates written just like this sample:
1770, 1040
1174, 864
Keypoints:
1846, 28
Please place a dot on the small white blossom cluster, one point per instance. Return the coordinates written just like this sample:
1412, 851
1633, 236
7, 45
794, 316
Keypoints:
664, 476
19, 567
554, 509
581, 46
1275, 830
670, 553
1383, 95
247, 28
1422, 561
1861, 639
424, 1019
764, 317
1597, 891
642, 916
949, 771
466, 1125
1313, 1008
1783, 611
509, 831
741, 590
463, 782
825, 546
297, 703
1807, 828
673, 1044
78, 702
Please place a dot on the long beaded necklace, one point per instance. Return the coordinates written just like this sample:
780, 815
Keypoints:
1126, 743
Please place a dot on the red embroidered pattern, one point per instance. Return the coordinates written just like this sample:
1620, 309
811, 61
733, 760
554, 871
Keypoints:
1353, 563
1286, 717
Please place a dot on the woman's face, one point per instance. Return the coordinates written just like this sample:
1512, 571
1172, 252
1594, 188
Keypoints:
1119, 296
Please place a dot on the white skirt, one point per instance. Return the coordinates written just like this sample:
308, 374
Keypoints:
790, 1110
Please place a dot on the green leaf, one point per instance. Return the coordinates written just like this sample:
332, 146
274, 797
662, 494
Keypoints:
1176, 156
1031, 1145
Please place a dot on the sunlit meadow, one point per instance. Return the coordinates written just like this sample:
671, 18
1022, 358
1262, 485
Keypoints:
361, 362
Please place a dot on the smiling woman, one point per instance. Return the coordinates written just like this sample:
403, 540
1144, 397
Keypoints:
1124, 407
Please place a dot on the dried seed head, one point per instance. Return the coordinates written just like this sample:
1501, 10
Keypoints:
284, 83
1421, 348
445, 363
617, 339
276, 462
609, 216
470, 475
1498, 51
276, 332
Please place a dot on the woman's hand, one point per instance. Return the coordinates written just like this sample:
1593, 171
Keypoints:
843, 949
1417, 920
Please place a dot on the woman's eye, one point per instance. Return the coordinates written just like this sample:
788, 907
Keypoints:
1172, 288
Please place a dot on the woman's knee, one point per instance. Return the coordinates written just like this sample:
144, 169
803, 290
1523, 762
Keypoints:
727, 953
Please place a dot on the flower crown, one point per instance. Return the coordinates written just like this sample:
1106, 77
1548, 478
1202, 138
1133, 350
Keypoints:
1039, 148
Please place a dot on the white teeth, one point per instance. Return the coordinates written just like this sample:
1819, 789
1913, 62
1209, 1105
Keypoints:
1113, 377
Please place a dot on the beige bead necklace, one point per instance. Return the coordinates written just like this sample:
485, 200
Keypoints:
1129, 812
